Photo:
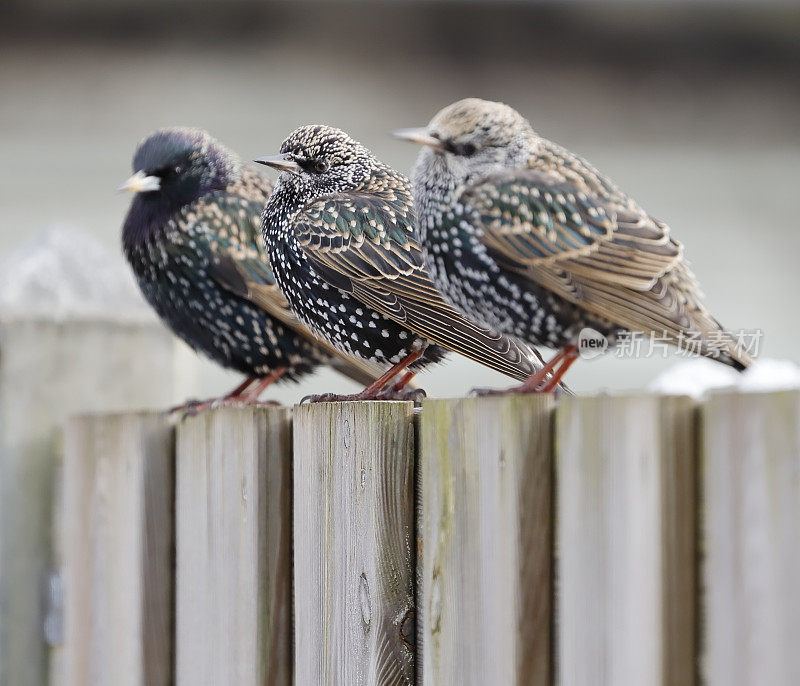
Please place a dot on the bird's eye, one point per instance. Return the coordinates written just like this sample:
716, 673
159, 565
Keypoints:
321, 166
468, 149
177, 169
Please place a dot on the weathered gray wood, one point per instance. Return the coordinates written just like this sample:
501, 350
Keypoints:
50, 370
751, 522
117, 543
75, 336
354, 543
233, 548
626, 512
485, 545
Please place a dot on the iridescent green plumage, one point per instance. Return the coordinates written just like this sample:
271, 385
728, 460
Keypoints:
192, 237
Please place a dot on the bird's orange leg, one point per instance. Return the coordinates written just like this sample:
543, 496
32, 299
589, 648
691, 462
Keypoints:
241, 388
404, 381
240, 396
534, 381
570, 357
193, 406
377, 389
533, 384
252, 395
398, 390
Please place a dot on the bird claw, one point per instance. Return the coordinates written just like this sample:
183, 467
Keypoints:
414, 394
514, 390
192, 408
327, 398
189, 408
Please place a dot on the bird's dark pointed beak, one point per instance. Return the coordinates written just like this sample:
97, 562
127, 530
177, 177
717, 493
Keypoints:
420, 136
282, 162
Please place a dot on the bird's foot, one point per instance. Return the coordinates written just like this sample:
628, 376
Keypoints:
328, 398
414, 394
383, 388
514, 390
545, 380
190, 407
390, 393
194, 407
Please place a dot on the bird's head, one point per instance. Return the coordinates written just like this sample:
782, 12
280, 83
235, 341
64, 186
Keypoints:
471, 137
321, 160
176, 166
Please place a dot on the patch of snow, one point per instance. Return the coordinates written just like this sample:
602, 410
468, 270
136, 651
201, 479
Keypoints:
770, 375
61, 273
698, 376
693, 377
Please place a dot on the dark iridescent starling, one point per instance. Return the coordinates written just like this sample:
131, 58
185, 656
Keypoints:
340, 234
530, 239
192, 239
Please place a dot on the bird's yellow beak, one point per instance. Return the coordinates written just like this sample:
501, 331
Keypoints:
420, 136
141, 183
282, 162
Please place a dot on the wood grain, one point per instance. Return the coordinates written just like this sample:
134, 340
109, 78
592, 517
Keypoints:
118, 557
354, 545
751, 527
233, 548
485, 550
626, 513
49, 370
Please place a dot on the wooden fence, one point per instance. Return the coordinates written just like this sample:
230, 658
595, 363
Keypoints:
619, 540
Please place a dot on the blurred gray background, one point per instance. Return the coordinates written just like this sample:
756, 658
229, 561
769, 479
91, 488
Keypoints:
693, 108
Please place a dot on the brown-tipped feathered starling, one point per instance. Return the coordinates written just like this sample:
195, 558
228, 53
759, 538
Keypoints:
340, 234
531, 240
192, 239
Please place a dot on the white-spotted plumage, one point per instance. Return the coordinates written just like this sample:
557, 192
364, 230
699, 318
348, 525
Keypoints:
194, 246
344, 240
530, 239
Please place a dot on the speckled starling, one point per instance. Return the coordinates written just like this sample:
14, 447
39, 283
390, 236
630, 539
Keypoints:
192, 239
339, 229
530, 239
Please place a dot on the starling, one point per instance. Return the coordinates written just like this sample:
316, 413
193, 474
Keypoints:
531, 240
192, 239
340, 233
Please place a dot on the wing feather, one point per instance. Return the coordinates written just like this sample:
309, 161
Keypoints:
238, 262
366, 244
597, 250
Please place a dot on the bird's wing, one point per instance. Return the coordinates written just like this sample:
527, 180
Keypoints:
365, 244
539, 220
597, 250
237, 261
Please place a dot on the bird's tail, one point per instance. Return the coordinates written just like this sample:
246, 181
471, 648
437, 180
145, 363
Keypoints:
726, 348
443, 325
